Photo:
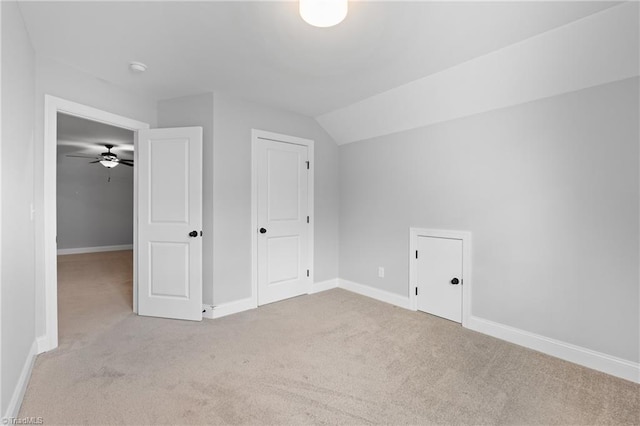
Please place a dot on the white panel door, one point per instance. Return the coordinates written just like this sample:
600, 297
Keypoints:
170, 222
439, 268
282, 221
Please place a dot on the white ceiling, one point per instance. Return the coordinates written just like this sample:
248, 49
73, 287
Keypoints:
264, 52
85, 137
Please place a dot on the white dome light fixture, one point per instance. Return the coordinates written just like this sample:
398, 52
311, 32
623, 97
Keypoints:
323, 13
109, 164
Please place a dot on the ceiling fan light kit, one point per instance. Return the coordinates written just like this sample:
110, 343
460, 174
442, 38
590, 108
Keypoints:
107, 159
109, 163
323, 13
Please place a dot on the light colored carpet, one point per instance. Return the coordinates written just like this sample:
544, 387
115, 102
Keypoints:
95, 292
334, 357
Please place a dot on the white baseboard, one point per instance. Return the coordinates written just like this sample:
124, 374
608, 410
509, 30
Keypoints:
81, 250
323, 286
21, 387
578, 355
375, 293
207, 311
230, 308
42, 344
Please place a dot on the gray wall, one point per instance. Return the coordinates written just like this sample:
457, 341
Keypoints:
227, 122
198, 111
233, 120
17, 309
550, 191
93, 212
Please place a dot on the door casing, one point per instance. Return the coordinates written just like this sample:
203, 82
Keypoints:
53, 106
256, 137
465, 236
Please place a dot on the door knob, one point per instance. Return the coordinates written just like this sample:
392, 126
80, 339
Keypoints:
455, 281
193, 233
263, 231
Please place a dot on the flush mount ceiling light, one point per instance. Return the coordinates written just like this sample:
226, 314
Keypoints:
323, 13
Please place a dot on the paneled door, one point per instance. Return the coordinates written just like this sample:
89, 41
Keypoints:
283, 221
170, 223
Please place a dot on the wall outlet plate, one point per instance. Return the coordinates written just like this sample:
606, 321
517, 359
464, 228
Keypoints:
380, 272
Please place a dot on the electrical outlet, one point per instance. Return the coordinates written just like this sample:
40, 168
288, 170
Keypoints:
381, 272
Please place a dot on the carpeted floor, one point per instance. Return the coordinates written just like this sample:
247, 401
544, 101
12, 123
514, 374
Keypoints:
333, 357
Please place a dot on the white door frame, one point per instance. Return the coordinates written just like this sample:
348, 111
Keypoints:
256, 136
52, 106
465, 236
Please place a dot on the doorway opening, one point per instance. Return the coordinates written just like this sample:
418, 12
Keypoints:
94, 206
67, 110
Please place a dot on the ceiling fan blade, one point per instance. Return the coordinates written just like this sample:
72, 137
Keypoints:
126, 164
81, 156
91, 162
126, 161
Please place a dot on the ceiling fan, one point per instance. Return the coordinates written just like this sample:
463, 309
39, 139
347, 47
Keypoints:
107, 159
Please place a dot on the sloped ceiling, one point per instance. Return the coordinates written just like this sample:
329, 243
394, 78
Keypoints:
264, 52
597, 49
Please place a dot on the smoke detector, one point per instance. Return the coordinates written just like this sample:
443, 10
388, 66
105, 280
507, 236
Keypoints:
137, 67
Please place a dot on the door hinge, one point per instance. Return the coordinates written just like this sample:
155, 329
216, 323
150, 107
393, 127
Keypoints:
307, 219
307, 165
416, 254
201, 233
416, 291
307, 272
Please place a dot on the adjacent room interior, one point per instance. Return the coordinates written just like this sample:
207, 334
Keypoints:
94, 210
416, 213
